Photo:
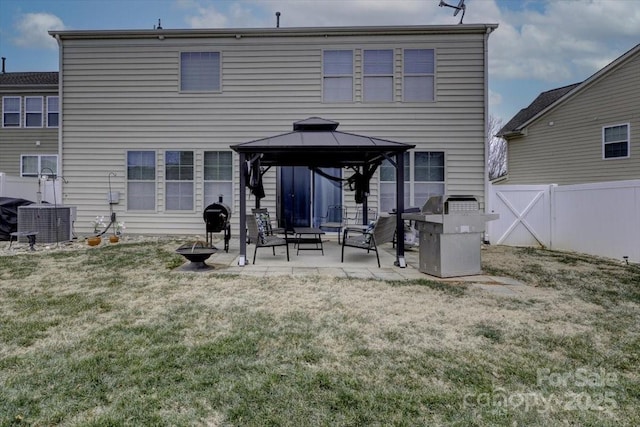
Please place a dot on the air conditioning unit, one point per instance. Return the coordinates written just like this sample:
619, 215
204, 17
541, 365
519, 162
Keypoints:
52, 223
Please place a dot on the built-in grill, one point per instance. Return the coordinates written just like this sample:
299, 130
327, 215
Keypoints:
217, 218
451, 229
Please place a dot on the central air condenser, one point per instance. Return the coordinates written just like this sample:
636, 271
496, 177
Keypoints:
52, 223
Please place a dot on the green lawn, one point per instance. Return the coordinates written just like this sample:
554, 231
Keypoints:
113, 336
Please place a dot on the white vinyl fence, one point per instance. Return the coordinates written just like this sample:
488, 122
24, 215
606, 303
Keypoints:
30, 188
600, 218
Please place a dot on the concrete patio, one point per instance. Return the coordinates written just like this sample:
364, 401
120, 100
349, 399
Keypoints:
357, 264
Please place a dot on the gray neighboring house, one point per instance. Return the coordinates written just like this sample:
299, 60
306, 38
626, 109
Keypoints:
153, 113
30, 119
582, 133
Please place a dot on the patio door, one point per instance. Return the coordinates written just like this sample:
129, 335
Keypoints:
294, 209
298, 187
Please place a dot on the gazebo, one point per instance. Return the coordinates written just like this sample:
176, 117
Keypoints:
315, 143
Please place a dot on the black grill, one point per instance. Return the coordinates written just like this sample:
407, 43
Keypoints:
216, 218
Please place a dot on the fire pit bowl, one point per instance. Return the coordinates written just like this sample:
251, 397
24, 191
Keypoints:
197, 253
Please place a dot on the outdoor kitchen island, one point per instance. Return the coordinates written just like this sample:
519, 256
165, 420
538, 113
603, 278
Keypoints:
451, 229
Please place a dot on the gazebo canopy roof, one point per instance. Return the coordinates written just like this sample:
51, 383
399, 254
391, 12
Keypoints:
315, 142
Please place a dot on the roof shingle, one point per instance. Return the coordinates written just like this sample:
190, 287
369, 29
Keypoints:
540, 103
29, 78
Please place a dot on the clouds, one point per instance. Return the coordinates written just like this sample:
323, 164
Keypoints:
562, 41
32, 30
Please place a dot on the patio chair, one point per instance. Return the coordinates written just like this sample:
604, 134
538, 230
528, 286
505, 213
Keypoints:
257, 227
356, 221
336, 218
380, 232
270, 230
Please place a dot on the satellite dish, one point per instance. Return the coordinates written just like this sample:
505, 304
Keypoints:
458, 8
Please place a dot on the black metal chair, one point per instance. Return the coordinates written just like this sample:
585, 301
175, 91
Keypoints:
258, 227
381, 231
336, 218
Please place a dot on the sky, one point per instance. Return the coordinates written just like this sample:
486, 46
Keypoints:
539, 45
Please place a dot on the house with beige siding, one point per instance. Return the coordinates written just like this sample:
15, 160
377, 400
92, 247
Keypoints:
150, 115
30, 119
582, 133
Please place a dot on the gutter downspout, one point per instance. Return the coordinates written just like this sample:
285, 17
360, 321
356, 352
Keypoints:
60, 117
487, 209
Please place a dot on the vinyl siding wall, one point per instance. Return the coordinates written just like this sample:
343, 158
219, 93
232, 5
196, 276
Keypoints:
122, 94
570, 150
15, 142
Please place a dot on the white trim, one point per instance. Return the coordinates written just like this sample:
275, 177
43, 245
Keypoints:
376, 75
180, 181
154, 181
19, 98
191, 92
628, 141
405, 75
27, 112
39, 156
47, 112
334, 76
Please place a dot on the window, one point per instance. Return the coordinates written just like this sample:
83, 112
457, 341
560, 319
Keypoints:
141, 180
36, 165
424, 177
337, 81
419, 66
33, 111
615, 141
179, 180
218, 177
200, 71
52, 111
378, 75
11, 111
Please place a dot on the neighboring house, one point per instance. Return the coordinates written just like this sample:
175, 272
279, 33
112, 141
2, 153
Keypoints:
30, 119
582, 133
151, 115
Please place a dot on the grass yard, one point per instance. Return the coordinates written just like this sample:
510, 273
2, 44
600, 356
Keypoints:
113, 336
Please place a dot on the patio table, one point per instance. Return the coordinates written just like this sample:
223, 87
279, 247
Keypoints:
308, 236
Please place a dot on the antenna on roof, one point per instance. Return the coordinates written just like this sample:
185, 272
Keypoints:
458, 8
277, 19
159, 27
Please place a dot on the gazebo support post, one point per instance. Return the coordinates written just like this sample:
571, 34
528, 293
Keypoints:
242, 259
365, 200
400, 261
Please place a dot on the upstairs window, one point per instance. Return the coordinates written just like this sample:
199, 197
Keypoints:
615, 141
378, 75
52, 111
337, 81
33, 111
179, 180
419, 73
200, 72
11, 111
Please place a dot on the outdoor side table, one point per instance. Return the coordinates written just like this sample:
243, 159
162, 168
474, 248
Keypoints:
30, 235
308, 236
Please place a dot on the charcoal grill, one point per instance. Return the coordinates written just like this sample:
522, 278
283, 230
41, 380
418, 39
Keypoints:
451, 229
217, 219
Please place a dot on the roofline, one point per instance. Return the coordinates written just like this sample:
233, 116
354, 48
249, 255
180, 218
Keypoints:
582, 86
275, 32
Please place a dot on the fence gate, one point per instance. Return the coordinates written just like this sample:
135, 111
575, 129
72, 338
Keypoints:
525, 215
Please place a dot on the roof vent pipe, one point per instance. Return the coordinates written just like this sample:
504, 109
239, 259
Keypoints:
277, 19
3, 59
